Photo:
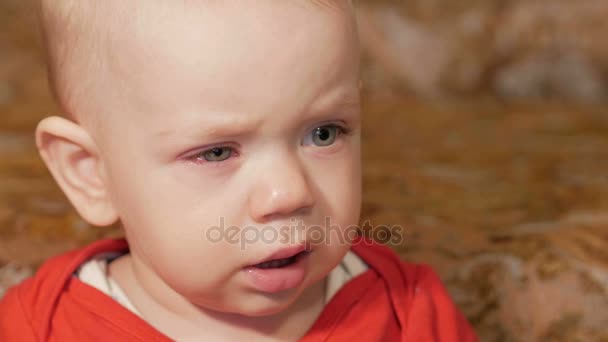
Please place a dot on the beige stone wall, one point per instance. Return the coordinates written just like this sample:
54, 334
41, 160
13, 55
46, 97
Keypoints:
503, 192
513, 49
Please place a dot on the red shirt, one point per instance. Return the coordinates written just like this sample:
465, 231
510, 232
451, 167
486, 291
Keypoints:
391, 301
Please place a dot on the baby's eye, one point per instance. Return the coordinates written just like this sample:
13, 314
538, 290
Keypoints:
323, 135
216, 154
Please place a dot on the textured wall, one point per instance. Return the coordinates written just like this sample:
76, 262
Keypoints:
508, 201
514, 49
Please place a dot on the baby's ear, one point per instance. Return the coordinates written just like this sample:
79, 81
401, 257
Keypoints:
73, 159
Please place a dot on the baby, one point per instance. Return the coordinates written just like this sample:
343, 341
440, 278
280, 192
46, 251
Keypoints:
222, 135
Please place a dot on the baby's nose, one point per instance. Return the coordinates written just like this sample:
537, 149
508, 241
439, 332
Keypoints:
283, 189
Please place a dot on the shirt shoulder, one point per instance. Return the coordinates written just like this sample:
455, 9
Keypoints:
15, 323
27, 309
420, 300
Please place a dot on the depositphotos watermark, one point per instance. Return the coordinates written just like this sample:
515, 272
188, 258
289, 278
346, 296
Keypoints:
296, 232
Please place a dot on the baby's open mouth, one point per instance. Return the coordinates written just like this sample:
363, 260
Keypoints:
284, 262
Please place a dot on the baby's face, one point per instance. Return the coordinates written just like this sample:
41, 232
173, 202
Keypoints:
241, 113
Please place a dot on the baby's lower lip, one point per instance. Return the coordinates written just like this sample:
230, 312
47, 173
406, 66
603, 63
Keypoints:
278, 276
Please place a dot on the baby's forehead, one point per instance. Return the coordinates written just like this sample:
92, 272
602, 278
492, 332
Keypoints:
118, 9
267, 51
231, 38
156, 50
104, 29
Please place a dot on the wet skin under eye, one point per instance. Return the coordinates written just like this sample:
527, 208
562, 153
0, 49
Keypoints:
321, 136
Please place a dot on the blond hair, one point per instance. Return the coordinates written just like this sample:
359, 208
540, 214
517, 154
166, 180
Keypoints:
71, 40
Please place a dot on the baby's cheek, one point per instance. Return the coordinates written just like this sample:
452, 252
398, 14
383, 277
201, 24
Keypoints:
179, 252
326, 258
347, 208
347, 189
192, 274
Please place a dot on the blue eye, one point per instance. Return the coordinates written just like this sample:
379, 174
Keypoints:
323, 135
216, 154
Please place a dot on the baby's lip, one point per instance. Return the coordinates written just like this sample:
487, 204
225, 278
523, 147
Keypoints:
283, 253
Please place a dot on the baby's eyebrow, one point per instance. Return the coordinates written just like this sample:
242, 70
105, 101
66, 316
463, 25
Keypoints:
220, 124
210, 128
327, 4
342, 97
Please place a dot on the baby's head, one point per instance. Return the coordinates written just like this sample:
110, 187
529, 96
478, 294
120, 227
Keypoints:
186, 118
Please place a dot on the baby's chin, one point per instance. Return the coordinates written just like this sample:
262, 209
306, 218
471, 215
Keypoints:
259, 304
266, 306
254, 305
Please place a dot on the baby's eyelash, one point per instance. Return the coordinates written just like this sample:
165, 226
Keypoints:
343, 128
199, 156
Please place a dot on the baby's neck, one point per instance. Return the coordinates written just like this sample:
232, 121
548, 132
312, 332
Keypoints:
181, 320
